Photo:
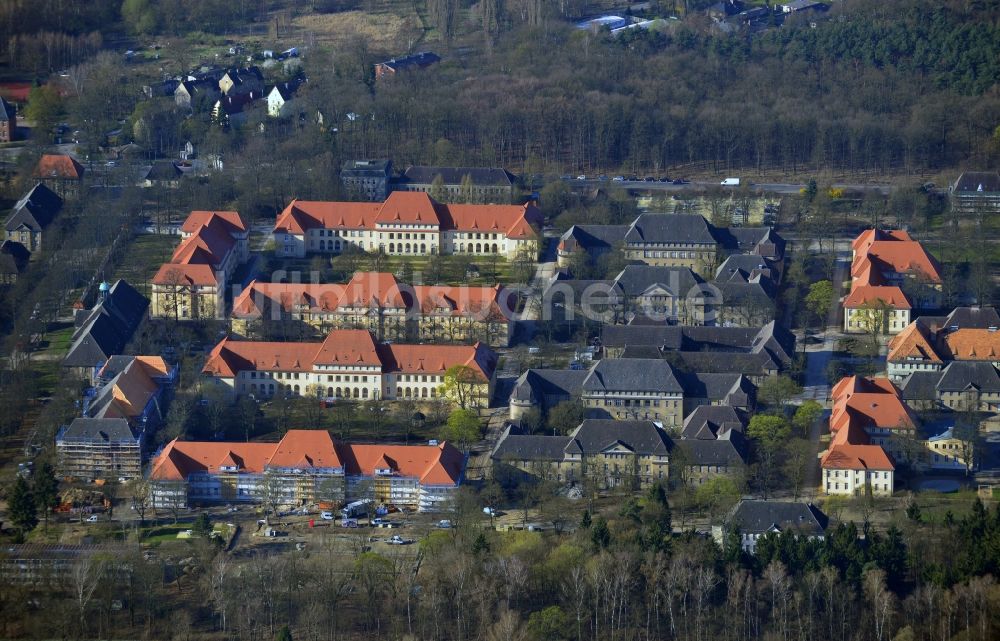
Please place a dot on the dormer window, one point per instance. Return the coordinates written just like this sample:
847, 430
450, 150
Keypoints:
383, 471
229, 468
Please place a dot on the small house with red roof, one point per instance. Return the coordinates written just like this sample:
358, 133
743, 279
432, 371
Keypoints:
380, 303
891, 276
349, 364
192, 284
407, 224
304, 467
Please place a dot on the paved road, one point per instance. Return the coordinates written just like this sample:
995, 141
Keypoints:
769, 188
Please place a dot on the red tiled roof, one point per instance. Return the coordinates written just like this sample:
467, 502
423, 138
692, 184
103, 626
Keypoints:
913, 342
196, 219
185, 275
515, 221
300, 449
58, 166
364, 287
857, 457
346, 347
891, 296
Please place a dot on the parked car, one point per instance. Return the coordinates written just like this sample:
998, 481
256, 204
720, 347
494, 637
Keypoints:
93, 518
581, 177
326, 516
619, 179
349, 523
395, 539
444, 524
491, 511
376, 522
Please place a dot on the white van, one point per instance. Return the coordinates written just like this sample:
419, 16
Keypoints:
730, 182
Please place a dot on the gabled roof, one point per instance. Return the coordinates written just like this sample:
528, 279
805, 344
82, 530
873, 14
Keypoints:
437, 359
643, 438
61, 166
870, 294
962, 376
130, 382
751, 516
638, 280
348, 347
230, 221
535, 384
592, 237
708, 422
181, 275
914, 342
107, 327
13, 257
430, 464
163, 170
973, 182
730, 451
7, 111
416, 60
530, 447
857, 457
99, 429
35, 210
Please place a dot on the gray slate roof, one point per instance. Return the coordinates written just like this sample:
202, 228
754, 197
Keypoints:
482, 176
633, 375
771, 338
636, 279
959, 376
970, 181
101, 429
107, 327
734, 388
35, 210
366, 168
535, 384
729, 451
642, 437
596, 237
708, 422
7, 110
670, 228
523, 447
972, 318
920, 386
751, 516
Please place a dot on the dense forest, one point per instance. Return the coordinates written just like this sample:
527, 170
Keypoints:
618, 575
875, 87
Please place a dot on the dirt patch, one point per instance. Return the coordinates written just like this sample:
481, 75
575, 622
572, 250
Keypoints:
382, 31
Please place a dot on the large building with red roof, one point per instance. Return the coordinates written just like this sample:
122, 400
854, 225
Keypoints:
891, 275
60, 172
378, 302
868, 418
407, 224
304, 467
349, 364
192, 284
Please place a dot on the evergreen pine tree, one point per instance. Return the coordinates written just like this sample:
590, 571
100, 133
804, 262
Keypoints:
21, 507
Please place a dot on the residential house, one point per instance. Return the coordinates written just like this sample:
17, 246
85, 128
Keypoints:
14, 259
891, 275
947, 452
162, 173
626, 388
196, 94
240, 81
232, 110
8, 121
99, 448
976, 193
407, 224
752, 519
31, 215
59, 172
380, 303
609, 454
460, 184
279, 99
306, 466
929, 343
394, 66
868, 418
193, 284
349, 364
367, 179
106, 328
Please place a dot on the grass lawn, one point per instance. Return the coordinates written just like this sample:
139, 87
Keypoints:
163, 533
144, 257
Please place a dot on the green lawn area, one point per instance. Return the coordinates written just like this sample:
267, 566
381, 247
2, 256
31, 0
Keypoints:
144, 257
163, 533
